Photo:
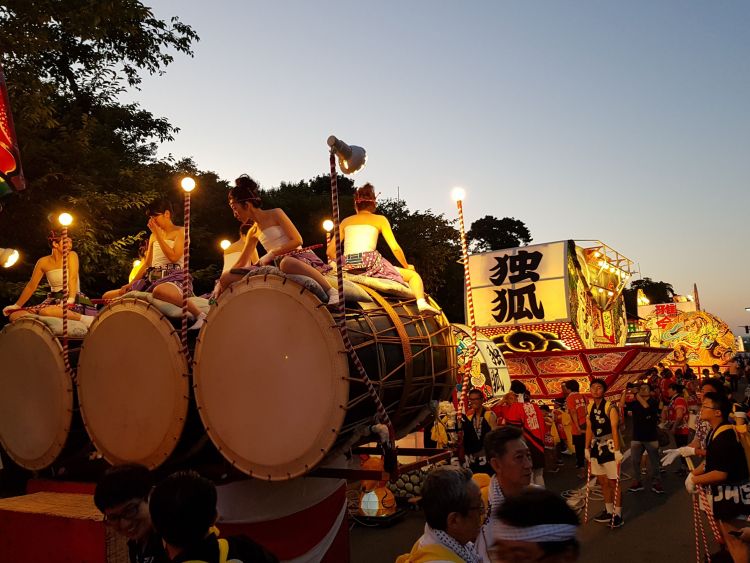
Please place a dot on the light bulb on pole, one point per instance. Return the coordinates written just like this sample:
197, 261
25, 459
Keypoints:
188, 185
458, 195
8, 257
328, 227
65, 219
224, 244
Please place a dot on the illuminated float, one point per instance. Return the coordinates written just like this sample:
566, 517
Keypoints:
696, 338
556, 312
488, 370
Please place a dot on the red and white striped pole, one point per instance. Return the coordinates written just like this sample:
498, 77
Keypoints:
65, 219
188, 185
458, 195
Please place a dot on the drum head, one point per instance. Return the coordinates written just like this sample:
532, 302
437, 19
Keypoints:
36, 394
270, 378
133, 384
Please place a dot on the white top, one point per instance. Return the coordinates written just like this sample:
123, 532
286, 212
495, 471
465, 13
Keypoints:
360, 238
273, 238
160, 259
54, 279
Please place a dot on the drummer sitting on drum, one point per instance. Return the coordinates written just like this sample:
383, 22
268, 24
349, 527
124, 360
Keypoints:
278, 235
360, 234
161, 270
51, 267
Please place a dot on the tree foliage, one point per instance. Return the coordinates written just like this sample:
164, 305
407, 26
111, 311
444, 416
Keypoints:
490, 233
65, 65
655, 291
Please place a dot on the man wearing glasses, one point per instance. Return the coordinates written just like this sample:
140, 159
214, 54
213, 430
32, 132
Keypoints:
122, 496
454, 512
725, 471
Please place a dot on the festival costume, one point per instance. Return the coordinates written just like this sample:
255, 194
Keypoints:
435, 546
530, 419
603, 444
731, 499
81, 303
361, 256
274, 238
163, 271
475, 429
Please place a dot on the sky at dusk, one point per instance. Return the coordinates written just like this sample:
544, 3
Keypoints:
626, 122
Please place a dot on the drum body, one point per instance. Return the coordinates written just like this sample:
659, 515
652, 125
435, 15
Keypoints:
275, 388
38, 415
133, 384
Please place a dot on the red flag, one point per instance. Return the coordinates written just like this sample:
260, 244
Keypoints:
11, 174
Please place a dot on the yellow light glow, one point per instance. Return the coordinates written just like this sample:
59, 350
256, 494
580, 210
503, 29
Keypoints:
610, 293
601, 290
458, 194
224, 244
11, 259
597, 254
612, 269
328, 225
65, 219
188, 184
136, 263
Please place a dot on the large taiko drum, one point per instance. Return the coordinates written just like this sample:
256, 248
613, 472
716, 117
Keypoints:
134, 384
38, 415
274, 386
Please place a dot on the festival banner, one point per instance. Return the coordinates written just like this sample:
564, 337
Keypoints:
11, 174
520, 286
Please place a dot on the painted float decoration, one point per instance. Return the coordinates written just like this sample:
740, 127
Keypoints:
488, 369
696, 338
556, 312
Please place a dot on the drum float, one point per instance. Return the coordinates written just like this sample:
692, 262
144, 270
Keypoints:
274, 386
37, 397
133, 384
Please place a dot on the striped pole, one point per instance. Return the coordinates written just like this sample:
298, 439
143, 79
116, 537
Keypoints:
381, 414
469, 311
188, 184
66, 354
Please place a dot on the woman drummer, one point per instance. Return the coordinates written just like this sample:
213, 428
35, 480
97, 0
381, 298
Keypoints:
161, 270
279, 237
51, 268
360, 234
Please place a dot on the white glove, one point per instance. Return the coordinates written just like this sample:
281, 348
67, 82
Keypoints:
671, 455
587, 454
690, 484
618, 456
10, 309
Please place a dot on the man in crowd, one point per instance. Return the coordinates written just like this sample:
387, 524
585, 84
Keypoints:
511, 461
183, 511
517, 410
454, 512
476, 425
537, 525
725, 471
122, 496
575, 405
645, 412
676, 418
603, 452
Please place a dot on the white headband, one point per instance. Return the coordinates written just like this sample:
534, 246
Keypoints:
540, 533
